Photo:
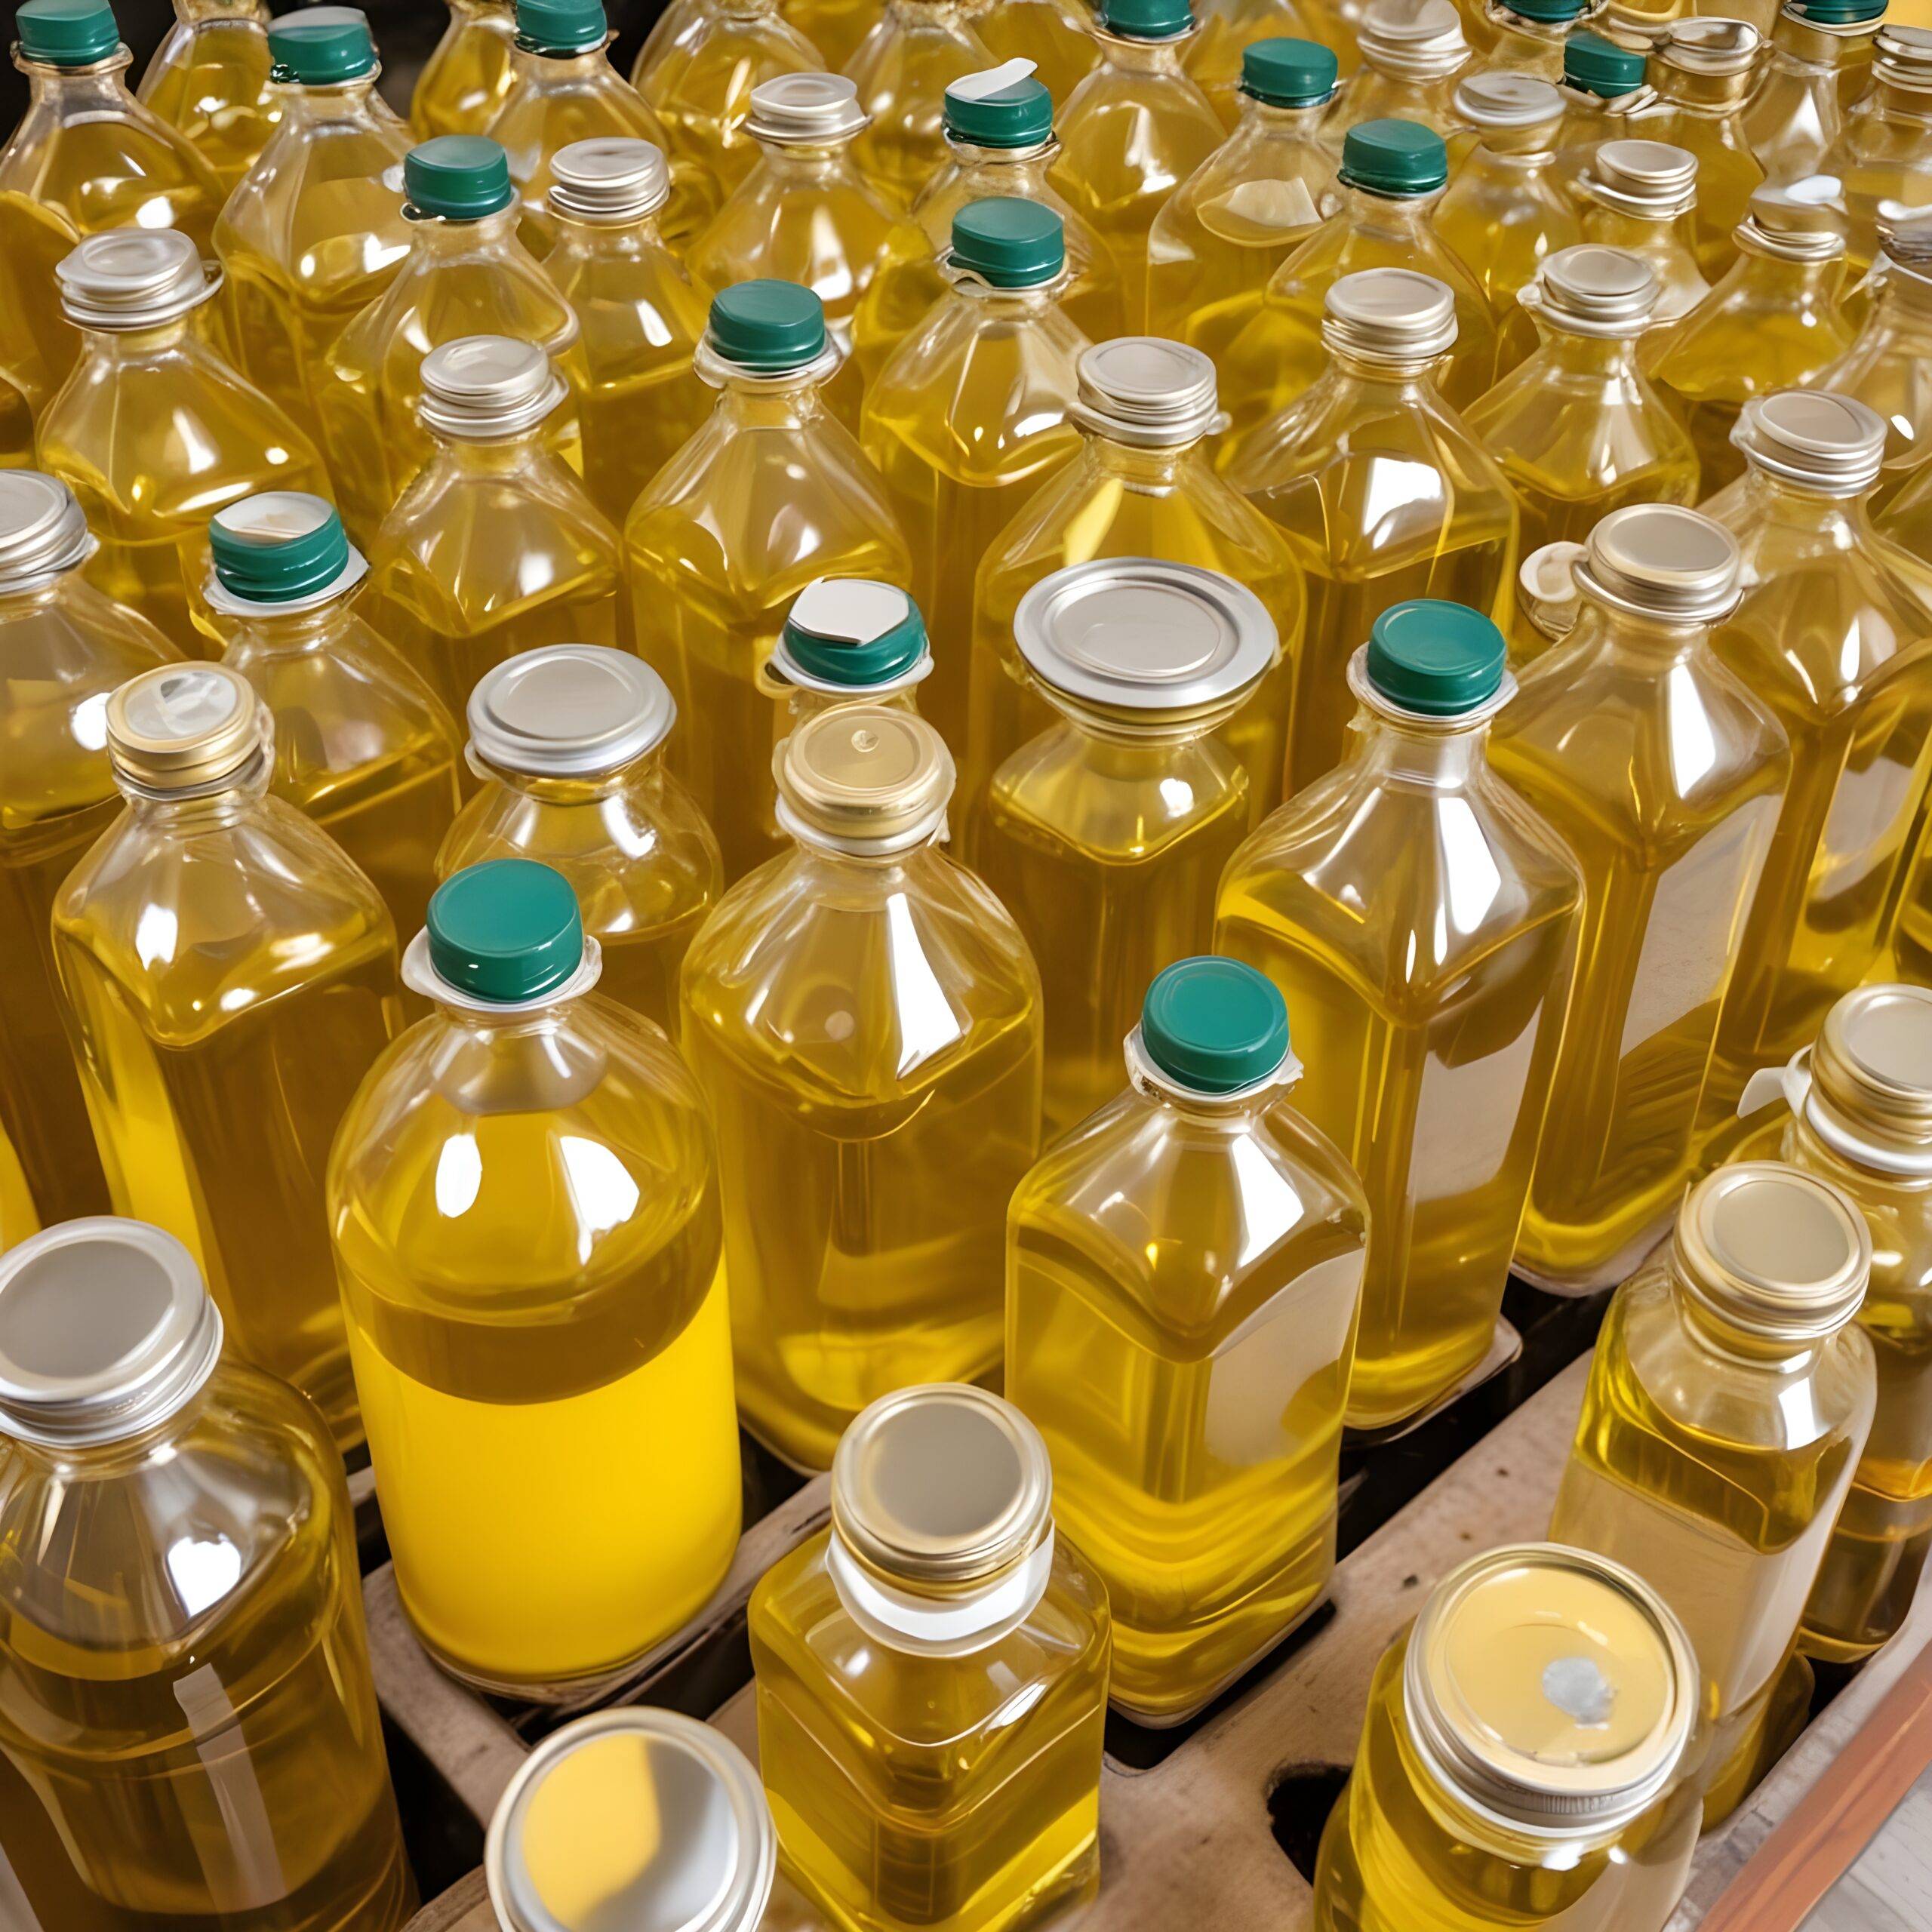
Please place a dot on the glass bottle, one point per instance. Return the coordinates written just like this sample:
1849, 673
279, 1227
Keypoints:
227, 975
185, 1692
932, 1679
864, 1019
568, 741
463, 82
1704, 70
1105, 834
209, 78
970, 415
1382, 492
64, 648
1730, 1396
1216, 58
1182, 1273
1664, 773
1638, 195
495, 548
1603, 94
1441, 1014
523, 1202
1882, 158
1413, 54
716, 549
1523, 1759
914, 50
153, 430
1528, 36
1820, 62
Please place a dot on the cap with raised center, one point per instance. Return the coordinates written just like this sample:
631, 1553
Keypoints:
1801, 220
281, 546
1389, 315
568, 711
1413, 39
132, 278
180, 727
614, 178
562, 26
1288, 73
1659, 561
850, 633
480, 387
457, 177
1146, 20
767, 328
1434, 659
1590, 291
805, 110
1904, 56
505, 931
1812, 437
1397, 157
1146, 390
322, 46
640, 1818
1872, 1065
1601, 67
43, 529
1645, 178
865, 774
67, 33
1705, 45
1009, 243
1214, 1026
1501, 102
1002, 107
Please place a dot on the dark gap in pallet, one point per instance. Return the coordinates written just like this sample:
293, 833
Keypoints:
1298, 1807
767, 1481
445, 1843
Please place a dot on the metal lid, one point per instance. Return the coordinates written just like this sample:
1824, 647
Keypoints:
613, 178
1905, 234
568, 711
1501, 101
457, 177
67, 33
561, 27
635, 1820
1607, 293
940, 1487
1395, 158
182, 728
105, 1331
134, 278
1902, 56
1434, 659
1214, 1026
281, 549
1656, 561
1146, 390
1776, 1252
1799, 220
865, 775
322, 46
805, 110
1288, 73
480, 387
506, 931
1146, 20
845, 634
999, 107
1707, 44
1601, 67
1416, 40
1009, 243
1818, 441
43, 529
1389, 315
1873, 1061
1646, 178
1550, 1688
766, 327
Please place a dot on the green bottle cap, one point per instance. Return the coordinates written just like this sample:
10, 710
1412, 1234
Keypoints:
277, 547
507, 931
562, 26
1550, 13
461, 177
1601, 67
1288, 73
1436, 659
853, 632
1840, 12
67, 33
321, 47
769, 327
1018, 115
1008, 242
1146, 20
1214, 1025
1394, 158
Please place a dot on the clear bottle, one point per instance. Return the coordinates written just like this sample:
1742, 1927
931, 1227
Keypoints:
361, 744
1054, 37
1105, 834
463, 82
1638, 195
313, 235
568, 742
1523, 1758
932, 1679
1412, 54
1730, 1396
1182, 1273
209, 78
524, 1205
1882, 158
1528, 36
847, 640
228, 975
64, 649
1226, 229
837, 28
1441, 1011
1216, 58
970, 415
1704, 70
914, 51
37, 346
1326, 472
495, 548
186, 1691
1603, 94
1820, 62
153, 430
864, 1018
1664, 774
716, 549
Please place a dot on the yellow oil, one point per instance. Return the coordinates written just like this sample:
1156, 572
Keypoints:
1057, 35
1506, 42
19, 1217
1703, 114
1883, 369
38, 344
1663, 240
463, 84
1875, 157
1814, 71
1224, 29
902, 68
835, 27
209, 78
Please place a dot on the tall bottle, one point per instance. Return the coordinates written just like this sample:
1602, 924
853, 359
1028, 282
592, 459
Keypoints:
1105, 833
1671, 845
495, 548
1704, 71
153, 430
1412, 54
228, 975
1638, 195
1820, 62
463, 82
1881, 156
1216, 58
864, 1018
1529, 36
1182, 1274
1383, 493
544, 1340
914, 51
1441, 1029
209, 78
1604, 93
187, 1687
712, 616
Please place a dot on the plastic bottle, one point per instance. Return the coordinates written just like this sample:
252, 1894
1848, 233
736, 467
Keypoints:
1638, 195
847, 640
864, 1019
1383, 493
495, 548
1105, 833
932, 1681
1671, 843
37, 347
1528, 36
837, 28
1440, 1010
1412, 54
228, 975
153, 431
187, 1693
914, 51
1882, 158
712, 616
1055, 37
1704, 70
1820, 62
1215, 60
523, 1202
209, 79
1604, 94
463, 82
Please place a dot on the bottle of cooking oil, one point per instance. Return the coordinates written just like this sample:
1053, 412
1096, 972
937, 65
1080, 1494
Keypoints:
1604, 93
64, 648
1664, 772
717, 548
1638, 195
847, 640
361, 744
495, 548
1105, 833
312, 235
1730, 1397
209, 78
153, 431
1227, 228
1055, 38
1820, 62
524, 1207
916, 50
1704, 70
569, 742
836, 28
1878, 157
932, 1678
228, 976
37, 347
186, 1690
1441, 1026
1326, 470
1527, 36
464, 81
1413, 54
1524, 1760
864, 1018
1216, 58
970, 415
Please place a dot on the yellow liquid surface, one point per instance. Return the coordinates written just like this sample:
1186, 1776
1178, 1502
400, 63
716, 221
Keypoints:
463, 83
209, 80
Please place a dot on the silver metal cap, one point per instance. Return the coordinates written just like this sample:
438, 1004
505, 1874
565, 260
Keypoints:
1389, 315
1905, 235
482, 386
43, 529
1801, 220
1506, 101
1607, 293
1707, 44
1902, 56
134, 278
614, 179
1659, 562
1416, 40
1647, 178
1831, 444
1872, 1065
568, 711
105, 1331
1144, 390
806, 110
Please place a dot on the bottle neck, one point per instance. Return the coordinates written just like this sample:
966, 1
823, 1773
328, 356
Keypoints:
1596, 358
497, 456
1904, 299
347, 100
902, 1617
869, 872
1711, 95
194, 13
79, 91
1891, 102
1800, 43
1297, 124
1654, 644
1142, 58
800, 165
558, 70
585, 789
1736, 1340
1839, 521
1153, 469
1020, 171
1444, 754
1010, 305
436, 237
177, 815
1404, 215
1780, 280
780, 403
1514, 154
626, 239
292, 633
1129, 751
1409, 379
112, 348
